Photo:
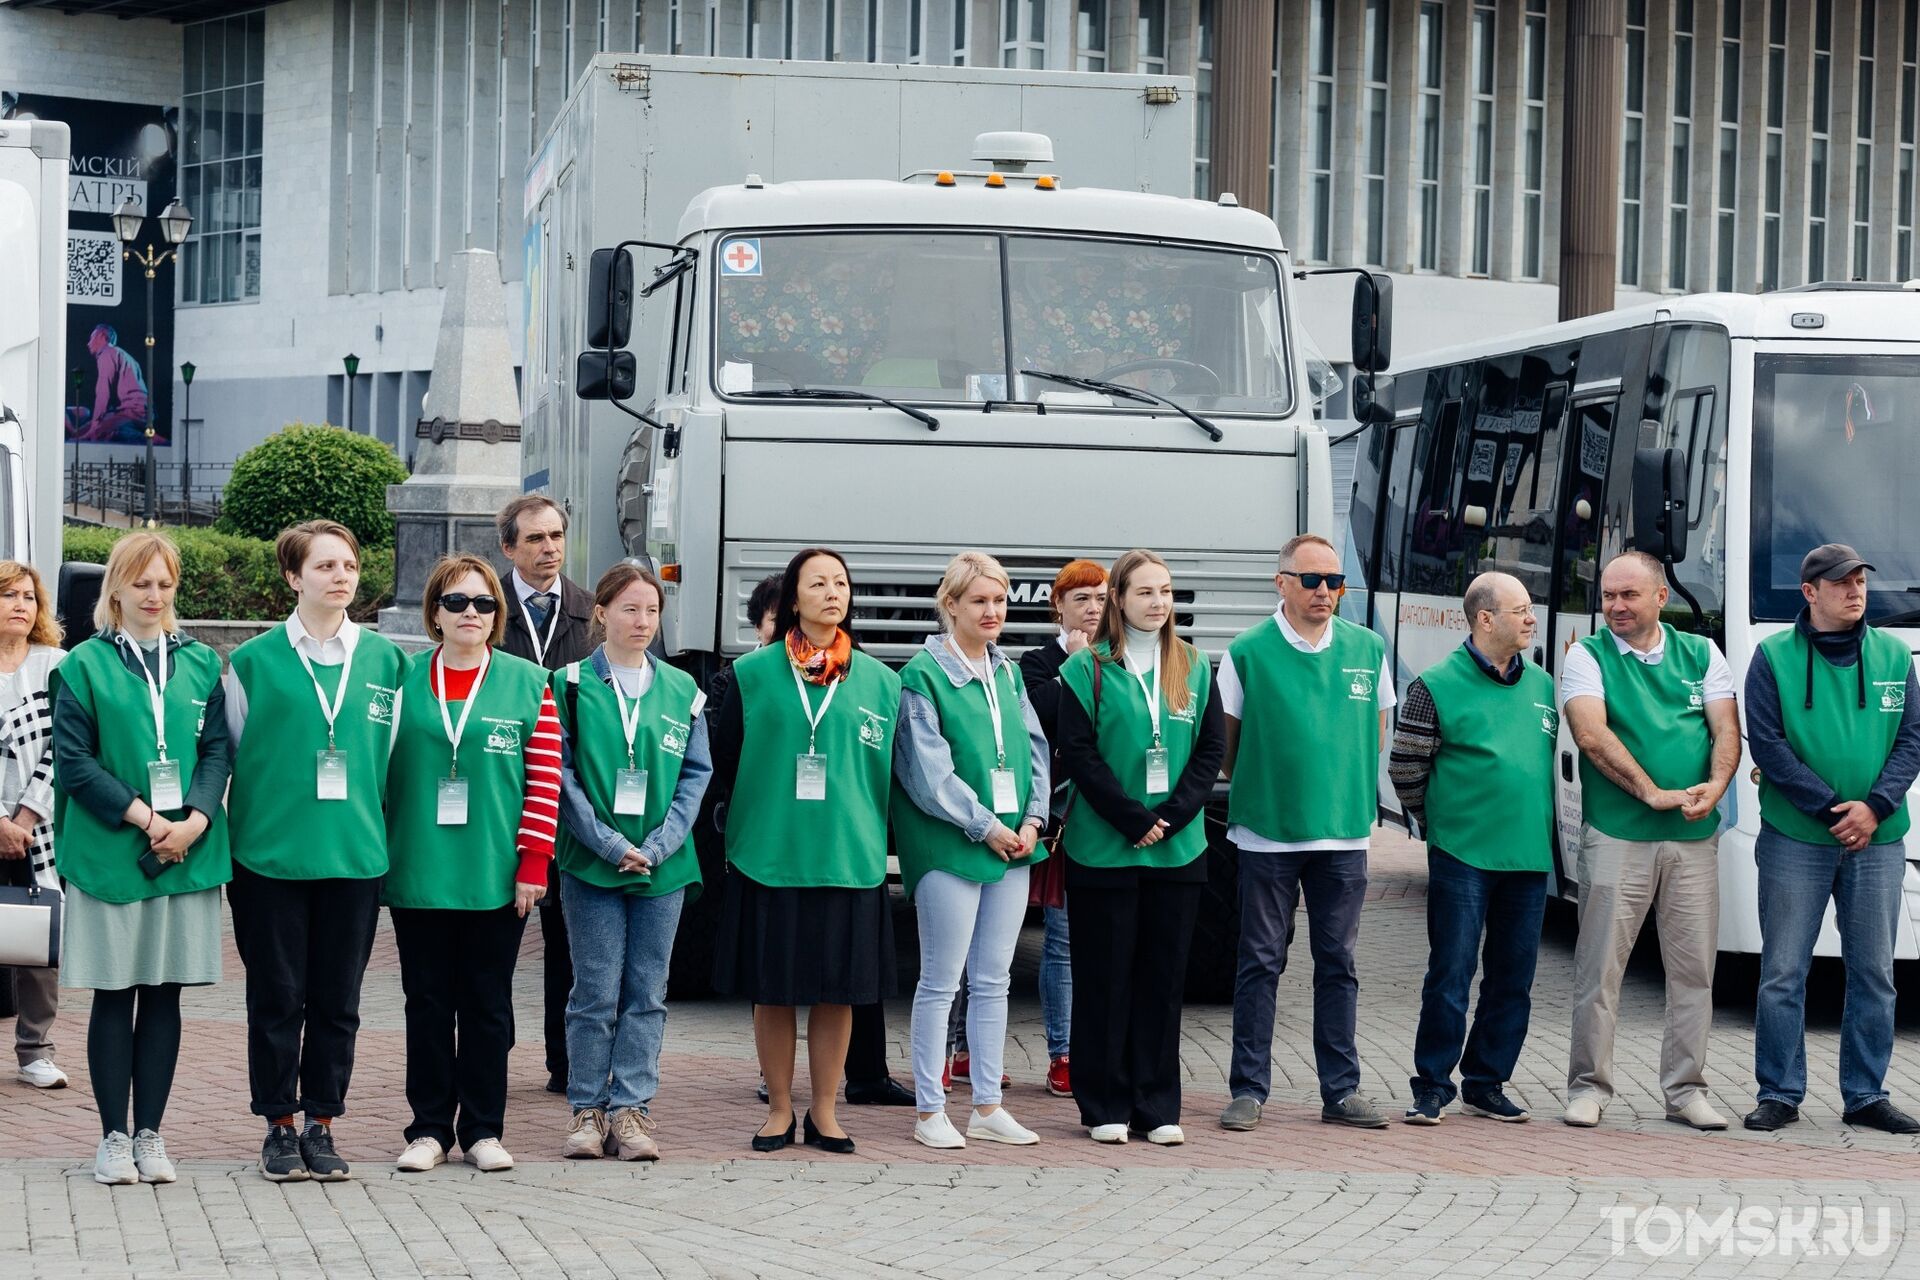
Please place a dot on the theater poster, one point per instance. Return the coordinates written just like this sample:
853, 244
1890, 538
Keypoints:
121, 151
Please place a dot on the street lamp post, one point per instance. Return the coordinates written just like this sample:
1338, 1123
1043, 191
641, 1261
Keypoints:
186, 445
352, 364
175, 222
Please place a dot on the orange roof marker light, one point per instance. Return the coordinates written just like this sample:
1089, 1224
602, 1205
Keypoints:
1046, 182
996, 180
943, 179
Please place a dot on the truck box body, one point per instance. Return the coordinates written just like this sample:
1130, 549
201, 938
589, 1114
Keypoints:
33, 336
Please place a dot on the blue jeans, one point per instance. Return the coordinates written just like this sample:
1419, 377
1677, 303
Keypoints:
1335, 884
1056, 983
966, 929
1495, 915
617, 1011
1796, 882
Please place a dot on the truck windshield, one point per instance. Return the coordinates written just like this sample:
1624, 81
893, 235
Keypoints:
950, 317
1836, 444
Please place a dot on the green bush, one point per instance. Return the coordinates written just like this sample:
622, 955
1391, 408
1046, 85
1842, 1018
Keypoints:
227, 577
307, 472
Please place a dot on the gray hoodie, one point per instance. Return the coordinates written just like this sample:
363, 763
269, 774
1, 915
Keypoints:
923, 762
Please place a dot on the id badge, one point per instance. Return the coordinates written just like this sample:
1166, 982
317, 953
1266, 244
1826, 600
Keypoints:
1156, 770
163, 785
330, 775
451, 809
809, 777
630, 791
1006, 796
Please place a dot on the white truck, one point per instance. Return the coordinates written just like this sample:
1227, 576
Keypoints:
902, 311
33, 308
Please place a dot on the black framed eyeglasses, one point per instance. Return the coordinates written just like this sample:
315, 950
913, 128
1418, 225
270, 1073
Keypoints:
458, 602
1312, 581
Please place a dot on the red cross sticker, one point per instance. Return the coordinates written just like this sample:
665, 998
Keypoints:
741, 258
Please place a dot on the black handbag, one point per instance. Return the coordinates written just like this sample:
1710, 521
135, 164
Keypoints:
30, 918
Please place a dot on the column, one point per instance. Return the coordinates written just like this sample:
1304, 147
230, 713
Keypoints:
1656, 147
1704, 190
1590, 184
1243, 101
1509, 119
1403, 152
1798, 148
1456, 133
1290, 130
452, 126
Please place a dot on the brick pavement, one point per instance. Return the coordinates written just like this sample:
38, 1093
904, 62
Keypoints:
1528, 1198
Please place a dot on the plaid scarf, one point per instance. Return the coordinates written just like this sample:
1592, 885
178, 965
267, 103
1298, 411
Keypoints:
817, 665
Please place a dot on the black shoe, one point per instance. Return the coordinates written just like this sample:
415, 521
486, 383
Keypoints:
323, 1162
835, 1146
1882, 1115
556, 1082
1493, 1104
884, 1092
1428, 1104
761, 1092
280, 1155
1771, 1114
774, 1141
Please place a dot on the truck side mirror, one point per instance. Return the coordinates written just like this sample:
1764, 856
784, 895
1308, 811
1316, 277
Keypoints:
605, 375
1371, 397
1660, 503
79, 591
1373, 322
609, 313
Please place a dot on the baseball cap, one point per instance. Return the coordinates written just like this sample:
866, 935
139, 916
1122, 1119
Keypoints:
1831, 561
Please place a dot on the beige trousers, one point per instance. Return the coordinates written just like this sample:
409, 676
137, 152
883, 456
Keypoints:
1620, 880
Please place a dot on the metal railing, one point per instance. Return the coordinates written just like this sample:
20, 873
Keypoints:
185, 494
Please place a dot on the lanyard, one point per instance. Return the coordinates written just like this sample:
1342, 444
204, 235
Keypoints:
813, 717
993, 700
1152, 694
553, 626
156, 690
630, 724
330, 711
457, 731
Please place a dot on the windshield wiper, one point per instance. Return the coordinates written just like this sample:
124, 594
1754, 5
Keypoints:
1129, 393
835, 393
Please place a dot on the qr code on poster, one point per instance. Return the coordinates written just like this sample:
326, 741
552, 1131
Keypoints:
93, 268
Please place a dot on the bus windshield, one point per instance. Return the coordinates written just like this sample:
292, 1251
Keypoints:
954, 317
1836, 447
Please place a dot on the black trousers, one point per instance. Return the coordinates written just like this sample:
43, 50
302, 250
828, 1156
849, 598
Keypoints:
456, 968
867, 1045
305, 945
558, 975
1130, 948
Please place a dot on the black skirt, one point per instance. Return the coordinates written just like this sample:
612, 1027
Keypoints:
804, 946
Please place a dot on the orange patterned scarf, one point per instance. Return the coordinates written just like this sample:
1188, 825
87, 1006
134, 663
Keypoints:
817, 665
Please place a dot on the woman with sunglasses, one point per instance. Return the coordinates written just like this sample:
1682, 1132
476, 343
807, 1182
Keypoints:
473, 792
1142, 738
636, 770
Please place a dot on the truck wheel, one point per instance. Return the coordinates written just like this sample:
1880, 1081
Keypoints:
629, 491
1215, 954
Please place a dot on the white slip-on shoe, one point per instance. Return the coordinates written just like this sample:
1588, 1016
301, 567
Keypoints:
113, 1161
150, 1157
1582, 1112
41, 1073
1114, 1134
937, 1131
1167, 1135
1000, 1127
1697, 1114
421, 1155
488, 1156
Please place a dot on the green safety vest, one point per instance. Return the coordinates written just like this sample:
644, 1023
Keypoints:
927, 843
280, 826
1490, 797
1846, 744
1308, 765
837, 842
467, 867
1659, 713
103, 858
599, 744
1123, 732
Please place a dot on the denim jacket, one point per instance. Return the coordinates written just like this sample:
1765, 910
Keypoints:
923, 762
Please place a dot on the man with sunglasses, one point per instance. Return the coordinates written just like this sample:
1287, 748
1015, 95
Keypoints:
1306, 696
1473, 764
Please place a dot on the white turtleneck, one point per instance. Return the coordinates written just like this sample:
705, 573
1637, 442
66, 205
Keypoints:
1143, 650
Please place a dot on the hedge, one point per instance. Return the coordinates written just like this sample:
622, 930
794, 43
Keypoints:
227, 577
304, 472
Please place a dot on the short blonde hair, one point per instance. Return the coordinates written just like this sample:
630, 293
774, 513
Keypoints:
449, 570
46, 627
962, 572
130, 556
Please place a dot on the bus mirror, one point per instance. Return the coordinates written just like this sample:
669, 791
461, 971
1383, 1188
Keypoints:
609, 312
605, 375
79, 585
1660, 503
1372, 321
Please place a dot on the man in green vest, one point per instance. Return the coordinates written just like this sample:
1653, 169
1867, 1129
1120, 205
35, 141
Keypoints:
1652, 710
1473, 764
1832, 723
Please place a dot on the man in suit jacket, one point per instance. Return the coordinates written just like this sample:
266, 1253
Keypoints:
549, 622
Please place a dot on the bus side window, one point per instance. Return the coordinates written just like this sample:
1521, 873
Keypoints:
1434, 564
1399, 491
1520, 531
1697, 365
1592, 441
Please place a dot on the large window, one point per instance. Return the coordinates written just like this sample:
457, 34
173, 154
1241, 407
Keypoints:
1680, 170
1817, 154
1023, 33
1089, 34
1776, 144
1727, 201
1203, 106
1903, 204
1150, 38
225, 65
1320, 132
1633, 141
1374, 179
1432, 74
1533, 143
1483, 86
1863, 145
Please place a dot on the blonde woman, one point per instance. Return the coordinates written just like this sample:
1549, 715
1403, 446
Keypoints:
142, 840
972, 761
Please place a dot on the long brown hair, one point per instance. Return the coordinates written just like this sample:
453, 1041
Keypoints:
1176, 655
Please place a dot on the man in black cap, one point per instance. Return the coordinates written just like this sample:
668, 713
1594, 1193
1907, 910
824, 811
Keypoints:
1833, 728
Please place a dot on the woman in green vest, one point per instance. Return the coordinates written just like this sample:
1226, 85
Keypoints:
142, 841
972, 763
309, 841
1142, 739
473, 795
804, 744
636, 768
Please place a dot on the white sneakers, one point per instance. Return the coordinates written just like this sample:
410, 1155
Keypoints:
1167, 1135
150, 1157
421, 1155
1000, 1127
1110, 1133
487, 1155
937, 1131
1583, 1112
41, 1073
586, 1135
113, 1161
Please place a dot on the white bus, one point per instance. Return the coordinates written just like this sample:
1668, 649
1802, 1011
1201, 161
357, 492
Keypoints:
1774, 422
